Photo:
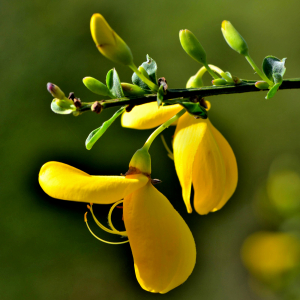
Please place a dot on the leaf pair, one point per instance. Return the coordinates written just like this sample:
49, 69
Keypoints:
274, 69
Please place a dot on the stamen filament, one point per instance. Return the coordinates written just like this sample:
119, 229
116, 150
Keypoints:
100, 224
104, 241
170, 153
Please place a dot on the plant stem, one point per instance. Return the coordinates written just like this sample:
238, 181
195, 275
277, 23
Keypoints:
257, 70
206, 91
161, 128
211, 72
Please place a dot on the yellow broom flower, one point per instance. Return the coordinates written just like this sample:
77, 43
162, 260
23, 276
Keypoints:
162, 245
202, 156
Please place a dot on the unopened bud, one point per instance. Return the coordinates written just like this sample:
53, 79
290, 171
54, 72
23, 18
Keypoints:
236, 80
194, 82
233, 38
108, 42
77, 102
96, 86
192, 46
55, 91
262, 85
132, 90
96, 107
219, 81
163, 82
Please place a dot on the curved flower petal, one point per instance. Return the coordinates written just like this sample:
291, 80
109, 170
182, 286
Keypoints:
162, 245
230, 166
64, 182
188, 135
148, 115
209, 175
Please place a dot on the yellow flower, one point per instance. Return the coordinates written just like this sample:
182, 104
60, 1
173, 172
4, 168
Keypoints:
202, 156
162, 245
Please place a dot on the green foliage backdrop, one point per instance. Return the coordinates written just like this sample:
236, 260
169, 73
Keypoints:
46, 251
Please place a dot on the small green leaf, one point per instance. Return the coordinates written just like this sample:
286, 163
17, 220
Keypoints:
113, 83
194, 109
62, 107
97, 133
278, 81
150, 67
272, 65
132, 90
96, 86
160, 95
273, 91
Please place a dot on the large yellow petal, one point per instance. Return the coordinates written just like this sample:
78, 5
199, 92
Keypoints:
230, 166
209, 175
162, 245
188, 135
64, 182
148, 115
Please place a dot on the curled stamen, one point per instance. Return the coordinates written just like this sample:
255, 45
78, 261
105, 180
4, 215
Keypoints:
112, 243
112, 231
109, 218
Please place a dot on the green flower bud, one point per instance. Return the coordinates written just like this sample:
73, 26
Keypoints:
233, 38
96, 86
55, 91
141, 161
132, 89
192, 46
108, 42
194, 82
63, 107
236, 80
219, 81
262, 85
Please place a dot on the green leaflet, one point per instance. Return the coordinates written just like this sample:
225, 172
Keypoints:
160, 95
96, 86
97, 133
194, 109
113, 83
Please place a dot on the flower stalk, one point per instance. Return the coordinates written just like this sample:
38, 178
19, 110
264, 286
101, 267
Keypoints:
161, 128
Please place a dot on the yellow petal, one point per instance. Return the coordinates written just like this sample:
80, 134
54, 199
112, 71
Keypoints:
230, 166
64, 182
209, 175
188, 135
148, 115
162, 245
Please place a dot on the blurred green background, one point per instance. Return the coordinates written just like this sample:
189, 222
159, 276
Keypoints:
46, 251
